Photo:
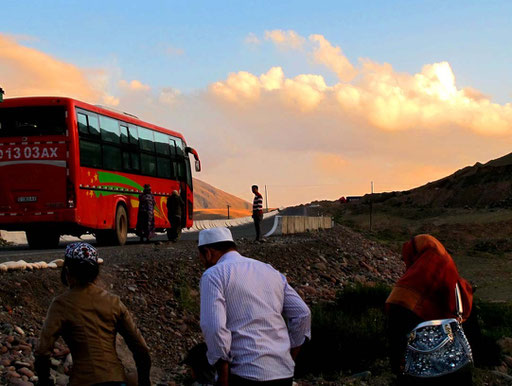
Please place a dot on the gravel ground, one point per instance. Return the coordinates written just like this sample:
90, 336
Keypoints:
159, 284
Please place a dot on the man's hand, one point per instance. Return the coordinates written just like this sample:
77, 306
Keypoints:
222, 368
294, 351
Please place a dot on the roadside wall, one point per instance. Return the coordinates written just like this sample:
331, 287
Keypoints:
299, 224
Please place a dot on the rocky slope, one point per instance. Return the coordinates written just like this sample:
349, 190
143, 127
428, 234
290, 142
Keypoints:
480, 185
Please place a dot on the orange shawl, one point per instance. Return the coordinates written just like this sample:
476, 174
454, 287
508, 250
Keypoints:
427, 287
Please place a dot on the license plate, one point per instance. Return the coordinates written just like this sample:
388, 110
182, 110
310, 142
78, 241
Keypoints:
27, 199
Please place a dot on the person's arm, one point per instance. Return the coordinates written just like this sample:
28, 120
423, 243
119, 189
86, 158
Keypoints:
213, 323
401, 321
49, 334
222, 368
135, 342
298, 316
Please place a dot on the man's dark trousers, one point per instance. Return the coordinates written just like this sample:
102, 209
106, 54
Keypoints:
258, 218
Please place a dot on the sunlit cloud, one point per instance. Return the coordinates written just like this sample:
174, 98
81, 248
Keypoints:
285, 39
133, 85
332, 57
27, 71
373, 93
169, 96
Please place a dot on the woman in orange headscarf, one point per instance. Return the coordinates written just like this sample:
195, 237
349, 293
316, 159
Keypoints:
426, 291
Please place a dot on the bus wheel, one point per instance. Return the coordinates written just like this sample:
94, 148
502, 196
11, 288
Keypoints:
42, 238
121, 230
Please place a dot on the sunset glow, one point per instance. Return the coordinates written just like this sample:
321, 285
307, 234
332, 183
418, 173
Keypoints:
307, 111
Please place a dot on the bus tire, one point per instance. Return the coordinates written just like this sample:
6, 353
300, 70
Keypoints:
42, 238
121, 226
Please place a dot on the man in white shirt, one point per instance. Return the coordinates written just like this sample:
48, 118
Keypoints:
253, 322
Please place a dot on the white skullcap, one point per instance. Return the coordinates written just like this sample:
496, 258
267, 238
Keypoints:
214, 235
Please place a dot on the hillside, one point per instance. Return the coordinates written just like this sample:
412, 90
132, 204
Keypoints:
480, 185
207, 196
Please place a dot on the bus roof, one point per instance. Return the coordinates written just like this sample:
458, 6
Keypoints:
65, 101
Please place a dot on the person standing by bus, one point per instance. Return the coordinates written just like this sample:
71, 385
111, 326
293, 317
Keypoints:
257, 211
146, 215
175, 206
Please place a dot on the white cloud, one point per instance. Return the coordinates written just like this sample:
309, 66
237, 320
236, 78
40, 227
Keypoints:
134, 85
285, 39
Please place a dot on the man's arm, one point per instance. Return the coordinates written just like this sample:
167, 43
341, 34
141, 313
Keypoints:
135, 342
298, 316
213, 321
49, 334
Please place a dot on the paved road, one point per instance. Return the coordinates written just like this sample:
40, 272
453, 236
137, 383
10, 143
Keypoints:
22, 251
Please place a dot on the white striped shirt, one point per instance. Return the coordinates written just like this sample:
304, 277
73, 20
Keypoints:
243, 302
257, 204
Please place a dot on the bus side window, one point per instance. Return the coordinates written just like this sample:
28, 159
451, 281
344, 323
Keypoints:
135, 161
161, 143
181, 170
172, 146
148, 164
188, 172
109, 129
124, 133
94, 127
112, 157
131, 161
82, 123
163, 167
90, 154
146, 139
133, 135
179, 147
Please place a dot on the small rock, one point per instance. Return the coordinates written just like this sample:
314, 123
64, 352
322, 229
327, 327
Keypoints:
62, 380
19, 330
26, 371
13, 374
22, 364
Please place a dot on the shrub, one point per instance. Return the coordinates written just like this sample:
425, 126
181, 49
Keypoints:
347, 335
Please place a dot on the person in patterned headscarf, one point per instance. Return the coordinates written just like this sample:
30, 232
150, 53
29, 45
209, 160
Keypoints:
89, 318
146, 217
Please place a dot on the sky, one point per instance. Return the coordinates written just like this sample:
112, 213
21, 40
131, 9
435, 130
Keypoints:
315, 100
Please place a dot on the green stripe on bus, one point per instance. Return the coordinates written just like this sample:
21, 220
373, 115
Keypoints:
112, 178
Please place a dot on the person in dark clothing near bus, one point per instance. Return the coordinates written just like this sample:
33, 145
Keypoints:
257, 211
89, 319
175, 207
146, 216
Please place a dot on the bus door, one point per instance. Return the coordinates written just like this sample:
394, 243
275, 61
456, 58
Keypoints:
33, 164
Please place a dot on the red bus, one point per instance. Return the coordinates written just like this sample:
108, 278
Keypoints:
68, 167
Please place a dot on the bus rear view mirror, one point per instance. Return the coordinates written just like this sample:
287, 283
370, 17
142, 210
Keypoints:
198, 165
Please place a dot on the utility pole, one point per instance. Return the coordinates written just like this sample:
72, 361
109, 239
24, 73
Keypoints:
228, 210
266, 198
371, 209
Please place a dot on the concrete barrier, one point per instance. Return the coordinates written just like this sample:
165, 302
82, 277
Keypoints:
299, 224
206, 224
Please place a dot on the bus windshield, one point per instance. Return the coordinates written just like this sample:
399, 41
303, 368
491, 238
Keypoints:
32, 121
